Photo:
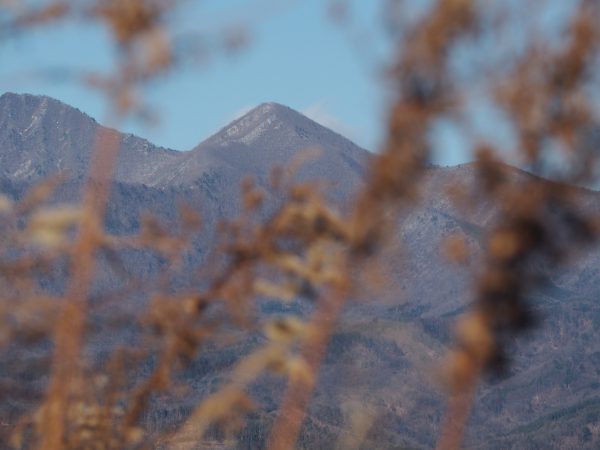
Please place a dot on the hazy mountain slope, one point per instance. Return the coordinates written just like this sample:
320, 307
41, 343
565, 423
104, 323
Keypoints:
384, 354
556, 368
40, 137
273, 135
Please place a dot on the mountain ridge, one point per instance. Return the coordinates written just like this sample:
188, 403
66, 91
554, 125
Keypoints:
382, 352
30, 131
279, 109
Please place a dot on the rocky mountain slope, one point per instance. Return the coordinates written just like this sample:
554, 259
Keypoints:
40, 137
385, 351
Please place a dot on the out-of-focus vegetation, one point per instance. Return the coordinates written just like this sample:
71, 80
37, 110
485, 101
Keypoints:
307, 247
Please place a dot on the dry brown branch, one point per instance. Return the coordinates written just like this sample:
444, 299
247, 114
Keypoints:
295, 401
66, 381
303, 248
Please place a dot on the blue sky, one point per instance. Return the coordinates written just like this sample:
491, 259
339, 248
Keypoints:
296, 55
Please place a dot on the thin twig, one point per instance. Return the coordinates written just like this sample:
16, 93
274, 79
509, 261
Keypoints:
70, 325
293, 408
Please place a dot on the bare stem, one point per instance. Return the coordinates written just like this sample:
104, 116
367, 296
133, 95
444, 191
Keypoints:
456, 416
292, 412
69, 329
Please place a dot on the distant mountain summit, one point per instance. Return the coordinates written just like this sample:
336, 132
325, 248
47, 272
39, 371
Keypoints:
41, 136
385, 347
252, 125
267, 136
273, 120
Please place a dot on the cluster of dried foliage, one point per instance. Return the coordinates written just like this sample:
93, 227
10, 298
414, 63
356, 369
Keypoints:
305, 248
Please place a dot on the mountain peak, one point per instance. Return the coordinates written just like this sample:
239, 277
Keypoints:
270, 107
271, 135
41, 136
28, 99
24, 102
258, 121
272, 123
30, 107
13, 96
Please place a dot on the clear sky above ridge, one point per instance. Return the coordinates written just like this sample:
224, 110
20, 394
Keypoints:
296, 55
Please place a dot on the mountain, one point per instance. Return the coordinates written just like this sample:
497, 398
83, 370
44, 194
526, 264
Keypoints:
40, 136
384, 352
272, 135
